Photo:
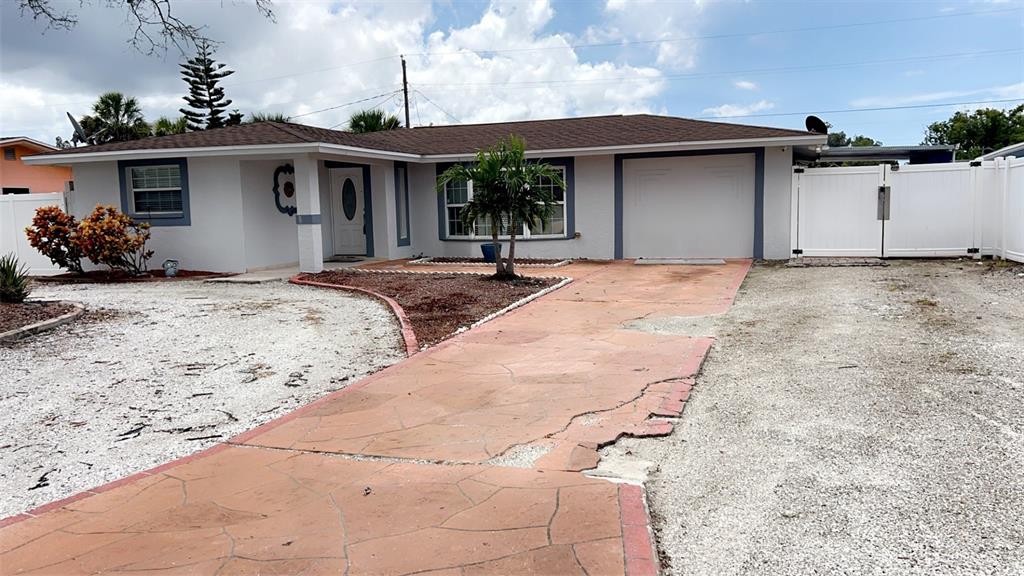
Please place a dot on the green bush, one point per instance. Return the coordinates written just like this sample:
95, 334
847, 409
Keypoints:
14, 282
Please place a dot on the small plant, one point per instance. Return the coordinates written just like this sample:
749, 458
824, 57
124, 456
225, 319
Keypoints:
15, 285
54, 233
113, 239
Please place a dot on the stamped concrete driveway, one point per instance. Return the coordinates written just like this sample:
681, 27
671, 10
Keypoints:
463, 459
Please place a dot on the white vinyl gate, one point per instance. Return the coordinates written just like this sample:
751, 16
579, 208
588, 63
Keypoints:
16, 213
910, 211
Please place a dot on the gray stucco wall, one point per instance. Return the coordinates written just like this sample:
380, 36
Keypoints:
215, 239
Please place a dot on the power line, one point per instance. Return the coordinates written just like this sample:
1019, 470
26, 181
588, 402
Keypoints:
345, 121
877, 109
749, 71
446, 113
327, 69
723, 35
342, 105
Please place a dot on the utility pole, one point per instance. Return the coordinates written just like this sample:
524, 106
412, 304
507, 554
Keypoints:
405, 90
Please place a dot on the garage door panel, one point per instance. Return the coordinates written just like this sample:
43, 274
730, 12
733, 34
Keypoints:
689, 207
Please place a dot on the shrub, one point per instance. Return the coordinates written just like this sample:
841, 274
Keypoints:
14, 281
55, 234
113, 239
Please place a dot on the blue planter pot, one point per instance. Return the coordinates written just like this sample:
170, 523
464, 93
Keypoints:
488, 252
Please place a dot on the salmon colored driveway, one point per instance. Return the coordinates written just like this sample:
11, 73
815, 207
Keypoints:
463, 459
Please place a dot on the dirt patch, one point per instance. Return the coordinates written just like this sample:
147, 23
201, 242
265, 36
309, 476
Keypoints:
115, 276
438, 304
14, 316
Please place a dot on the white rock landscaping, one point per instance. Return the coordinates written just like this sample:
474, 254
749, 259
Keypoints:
156, 371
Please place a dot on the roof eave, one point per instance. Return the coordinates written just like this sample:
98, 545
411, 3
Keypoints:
252, 150
29, 142
339, 149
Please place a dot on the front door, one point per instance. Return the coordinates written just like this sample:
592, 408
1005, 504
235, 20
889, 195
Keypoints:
347, 211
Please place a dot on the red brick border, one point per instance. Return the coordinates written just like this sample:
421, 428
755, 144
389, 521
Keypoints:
637, 544
411, 345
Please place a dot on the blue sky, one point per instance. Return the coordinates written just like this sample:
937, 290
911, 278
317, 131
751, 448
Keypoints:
751, 62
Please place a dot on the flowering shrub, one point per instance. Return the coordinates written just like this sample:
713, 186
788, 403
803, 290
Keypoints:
111, 238
55, 234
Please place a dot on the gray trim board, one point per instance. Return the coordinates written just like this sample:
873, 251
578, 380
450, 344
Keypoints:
307, 219
367, 199
156, 220
758, 248
402, 198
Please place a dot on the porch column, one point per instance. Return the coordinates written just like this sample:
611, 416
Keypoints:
307, 200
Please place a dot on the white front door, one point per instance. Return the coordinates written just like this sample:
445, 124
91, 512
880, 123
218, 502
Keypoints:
347, 211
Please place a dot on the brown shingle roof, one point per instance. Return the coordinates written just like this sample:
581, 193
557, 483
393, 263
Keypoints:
564, 133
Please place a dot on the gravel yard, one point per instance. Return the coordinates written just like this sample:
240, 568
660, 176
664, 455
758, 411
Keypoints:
850, 420
155, 371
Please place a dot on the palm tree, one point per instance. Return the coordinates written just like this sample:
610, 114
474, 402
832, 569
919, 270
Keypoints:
164, 126
117, 118
266, 117
505, 194
526, 202
488, 202
372, 121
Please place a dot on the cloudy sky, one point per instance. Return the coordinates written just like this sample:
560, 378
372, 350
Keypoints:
767, 63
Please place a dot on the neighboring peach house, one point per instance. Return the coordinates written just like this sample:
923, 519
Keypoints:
16, 177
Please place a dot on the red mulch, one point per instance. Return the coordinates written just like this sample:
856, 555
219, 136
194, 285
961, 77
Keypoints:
108, 276
13, 316
468, 260
439, 304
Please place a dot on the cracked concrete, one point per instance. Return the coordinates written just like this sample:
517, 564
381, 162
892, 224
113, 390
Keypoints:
341, 485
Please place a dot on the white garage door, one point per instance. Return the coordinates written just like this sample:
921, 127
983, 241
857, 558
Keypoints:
689, 207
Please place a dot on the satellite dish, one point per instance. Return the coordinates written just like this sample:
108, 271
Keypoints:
816, 125
78, 128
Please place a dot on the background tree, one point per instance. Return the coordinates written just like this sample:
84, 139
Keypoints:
165, 126
206, 99
115, 118
256, 117
978, 132
372, 121
839, 139
153, 22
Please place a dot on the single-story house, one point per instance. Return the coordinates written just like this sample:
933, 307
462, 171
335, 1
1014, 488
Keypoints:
16, 177
270, 194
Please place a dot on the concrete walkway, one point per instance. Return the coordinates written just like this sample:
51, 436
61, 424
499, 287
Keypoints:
463, 459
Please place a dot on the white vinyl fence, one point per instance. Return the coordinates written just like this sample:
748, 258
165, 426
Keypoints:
916, 210
16, 212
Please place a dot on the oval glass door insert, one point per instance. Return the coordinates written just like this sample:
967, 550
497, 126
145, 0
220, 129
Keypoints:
348, 198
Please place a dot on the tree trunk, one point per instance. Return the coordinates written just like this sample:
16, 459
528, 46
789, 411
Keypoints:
510, 266
498, 264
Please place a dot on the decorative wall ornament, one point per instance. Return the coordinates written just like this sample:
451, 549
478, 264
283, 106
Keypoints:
287, 188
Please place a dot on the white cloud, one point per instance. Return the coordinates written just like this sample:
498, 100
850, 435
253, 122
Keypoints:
993, 92
318, 56
745, 85
728, 110
666, 24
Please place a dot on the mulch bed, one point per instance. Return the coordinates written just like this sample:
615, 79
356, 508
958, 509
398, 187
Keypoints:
467, 260
14, 316
110, 277
439, 304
